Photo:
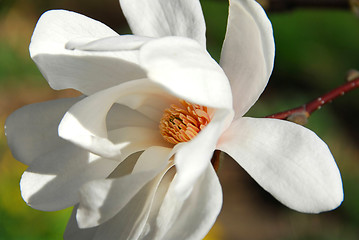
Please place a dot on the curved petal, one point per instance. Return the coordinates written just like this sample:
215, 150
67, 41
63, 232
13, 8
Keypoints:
130, 222
52, 182
115, 43
287, 160
193, 157
248, 52
85, 123
53, 48
196, 215
31, 131
73, 232
126, 166
134, 139
103, 199
185, 69
166, 18
121, 116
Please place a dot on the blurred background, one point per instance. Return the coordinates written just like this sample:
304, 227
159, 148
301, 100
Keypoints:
315, 48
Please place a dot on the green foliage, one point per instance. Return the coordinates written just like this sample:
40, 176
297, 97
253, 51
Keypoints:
215, 13
5, 5
315, 48
14, 68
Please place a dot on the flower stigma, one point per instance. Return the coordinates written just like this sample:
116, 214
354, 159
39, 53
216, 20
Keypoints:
182, 123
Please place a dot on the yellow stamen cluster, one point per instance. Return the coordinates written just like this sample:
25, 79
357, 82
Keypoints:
181, 124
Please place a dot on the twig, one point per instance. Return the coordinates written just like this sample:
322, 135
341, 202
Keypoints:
301, 114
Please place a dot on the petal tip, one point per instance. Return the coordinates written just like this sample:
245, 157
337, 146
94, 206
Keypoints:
85, 220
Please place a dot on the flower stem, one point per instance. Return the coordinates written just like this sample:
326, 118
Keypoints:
216, 160
302, 113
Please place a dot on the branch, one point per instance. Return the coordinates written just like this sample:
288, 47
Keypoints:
301, 114
216, 160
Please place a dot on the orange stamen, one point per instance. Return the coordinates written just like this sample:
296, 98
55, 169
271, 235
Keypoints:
182, 123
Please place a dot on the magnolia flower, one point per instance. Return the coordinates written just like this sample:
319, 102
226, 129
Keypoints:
133, 154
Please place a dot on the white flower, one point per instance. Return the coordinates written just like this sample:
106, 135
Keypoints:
104, 154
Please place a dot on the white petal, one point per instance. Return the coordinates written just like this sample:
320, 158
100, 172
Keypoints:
153, 158
194, 157
87, 71
192, 218
126, 166
85, 123
103, 199
287, 160
121, 116
32, 130
73, 232
166, 18
130, 222
187, 70
134, 139
56, 27
248, 52
52, 182
115, 43
151, 228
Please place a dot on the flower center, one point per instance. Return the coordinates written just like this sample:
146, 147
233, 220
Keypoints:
181, 124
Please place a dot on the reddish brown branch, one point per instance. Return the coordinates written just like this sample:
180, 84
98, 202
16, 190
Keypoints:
300, 114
